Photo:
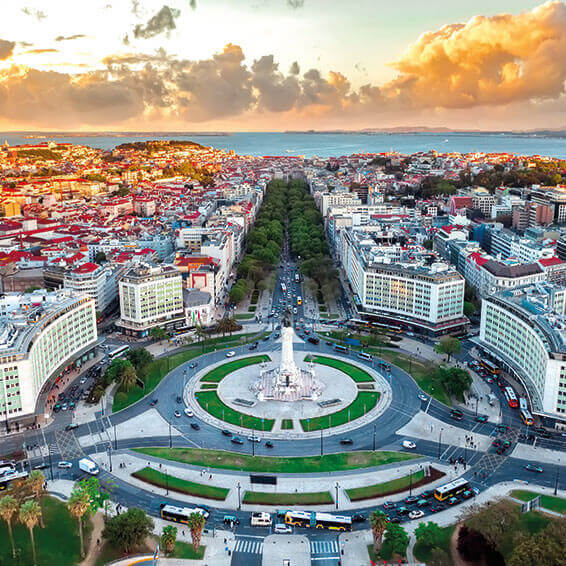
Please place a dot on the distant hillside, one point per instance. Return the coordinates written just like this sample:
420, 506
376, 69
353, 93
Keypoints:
157, 145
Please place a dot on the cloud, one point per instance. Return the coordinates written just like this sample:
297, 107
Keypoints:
163, 21
275, 92
294, 69
35, 13
40, 51
6, 49
69, 37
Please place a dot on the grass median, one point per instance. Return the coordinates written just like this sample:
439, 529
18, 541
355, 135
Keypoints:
159, 479
362, 404
266, 498
552, 503
357, 374
212, 404
220, 372
223, 460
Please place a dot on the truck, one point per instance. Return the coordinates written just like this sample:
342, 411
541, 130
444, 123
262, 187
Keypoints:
88, 466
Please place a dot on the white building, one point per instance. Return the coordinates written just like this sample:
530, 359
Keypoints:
150, 296
524, 330
42, 336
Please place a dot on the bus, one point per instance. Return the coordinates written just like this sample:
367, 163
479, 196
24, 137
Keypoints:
527, 417
364, 356
299, 300
318, 520
339, 348
11, 476
490, 367
511, 397
356, 322
180, 514
523, 404
260, 519
283, 287
118, 352
451, 489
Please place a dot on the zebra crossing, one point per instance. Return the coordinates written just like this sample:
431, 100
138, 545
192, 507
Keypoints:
324, 547
249, 545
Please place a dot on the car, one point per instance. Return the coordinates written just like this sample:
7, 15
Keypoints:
500, 451
534, 468
346, 441
65, 406
389, 505
496, 443
313, 340
226, 432
422, 502
329, 343
416, 514
195, 426
283, 529
481, 418
358, 518
467, 494
188, 412
253, 346
277, 335
436, 508
236, 440
506, 444
453, 501
253, 438
403, 511
423, 397
411, 499
502, 428
269, 444
543, 432
41, 466
179, 399
394, 519
193, 365
153, 402
177, 414
230, 354
56, 408
72, 426
427, 494
456, 414
83, 380
231, 520
408, 444
63, 464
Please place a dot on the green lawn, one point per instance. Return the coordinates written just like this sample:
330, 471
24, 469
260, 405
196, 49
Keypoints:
220, 372
244, 316
186, 551
557, 504
363, 403
220, 459
211, 403
159, 479
160, 367
58, 543
420, 371
266, 498
330, 316
209, 385
386, 488
287, 424
357, 374
423, 552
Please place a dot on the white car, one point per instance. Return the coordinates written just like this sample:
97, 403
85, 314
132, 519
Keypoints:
64, 465
408, 444
283, 529
189, 413
230, 354
254, 438
416, 514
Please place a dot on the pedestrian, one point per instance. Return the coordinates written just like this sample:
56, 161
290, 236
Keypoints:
97, 542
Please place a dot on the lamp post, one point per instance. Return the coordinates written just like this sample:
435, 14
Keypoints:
556, 479
410, 481
109, 448
115, 439
239, 499
439, 442
166, 481
170, 439
321, 443
337, 486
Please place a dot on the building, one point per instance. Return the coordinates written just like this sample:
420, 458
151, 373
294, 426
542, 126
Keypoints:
199, 307
43, 335
524, 330
150, 296
97, 281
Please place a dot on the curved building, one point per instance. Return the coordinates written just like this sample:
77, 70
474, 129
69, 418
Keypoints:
524, 330
42, 336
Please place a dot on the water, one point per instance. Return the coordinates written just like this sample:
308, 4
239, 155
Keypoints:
326, 145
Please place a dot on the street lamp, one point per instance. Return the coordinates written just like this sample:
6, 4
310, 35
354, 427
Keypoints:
410, 481
170, 439
166, 481
439, 441
239, 499
374, 431
556, 479
337, 486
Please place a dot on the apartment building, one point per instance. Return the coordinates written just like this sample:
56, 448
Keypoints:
43, 335
524, 330
150, 296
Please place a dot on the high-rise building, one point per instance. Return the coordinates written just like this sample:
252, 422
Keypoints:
150, 296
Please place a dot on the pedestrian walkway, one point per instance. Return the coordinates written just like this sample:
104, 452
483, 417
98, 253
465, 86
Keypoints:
324, 547
248, 545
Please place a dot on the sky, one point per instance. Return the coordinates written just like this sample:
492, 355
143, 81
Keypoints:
272, 65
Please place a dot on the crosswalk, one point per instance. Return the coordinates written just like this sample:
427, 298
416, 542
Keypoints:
324, 546
248, 546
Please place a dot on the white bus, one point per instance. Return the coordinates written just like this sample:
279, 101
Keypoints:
181, 514
118, 352
451, 489
260, 519
364, 356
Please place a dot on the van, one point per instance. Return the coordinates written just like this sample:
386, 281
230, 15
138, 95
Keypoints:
260, 519
88, 466
283, 529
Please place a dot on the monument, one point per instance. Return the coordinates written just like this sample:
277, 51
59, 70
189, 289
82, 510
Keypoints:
287, 382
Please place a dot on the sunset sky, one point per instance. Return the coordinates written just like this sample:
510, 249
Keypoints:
281, 64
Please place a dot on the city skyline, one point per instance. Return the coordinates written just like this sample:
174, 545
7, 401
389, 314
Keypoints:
275, 65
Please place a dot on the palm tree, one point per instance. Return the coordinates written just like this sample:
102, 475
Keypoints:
30, 514
378, 522
8, 507
196, 524
201, 334
78, 505
129, 378
232, 325
222, 326
168, 538
35, 482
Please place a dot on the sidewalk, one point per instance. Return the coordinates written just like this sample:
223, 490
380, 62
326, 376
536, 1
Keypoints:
285, 484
